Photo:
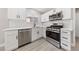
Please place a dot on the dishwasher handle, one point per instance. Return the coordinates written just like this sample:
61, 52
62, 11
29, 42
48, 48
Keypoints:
24, 30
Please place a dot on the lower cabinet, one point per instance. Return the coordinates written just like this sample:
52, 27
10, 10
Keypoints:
66, 39
66, 45
36, 33
11, 40
44, 32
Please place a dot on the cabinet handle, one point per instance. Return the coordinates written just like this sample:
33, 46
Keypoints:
65, 44
65, 32
64, 37
16, 37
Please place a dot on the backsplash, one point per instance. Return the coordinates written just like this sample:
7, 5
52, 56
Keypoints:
66, 23
20, 23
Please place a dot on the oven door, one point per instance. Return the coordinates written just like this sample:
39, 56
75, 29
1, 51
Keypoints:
55, 36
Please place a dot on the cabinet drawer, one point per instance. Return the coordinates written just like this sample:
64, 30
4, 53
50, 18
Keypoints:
65, 45
65, 33
66, 39
66, 36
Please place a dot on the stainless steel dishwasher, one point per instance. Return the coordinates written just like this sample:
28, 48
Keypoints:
24, 36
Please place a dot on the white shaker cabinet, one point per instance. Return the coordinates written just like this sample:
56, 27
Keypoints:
22, 13
12, 13
11, 40
40, 32
45, 16
66, 12
66, 38
44, 32
16, 13
36, 33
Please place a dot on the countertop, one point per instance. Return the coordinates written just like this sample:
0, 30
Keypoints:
7, 29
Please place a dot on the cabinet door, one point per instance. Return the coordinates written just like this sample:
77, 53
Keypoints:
40, 32
65, 39
66, 45
66, 13
11, 40
16, 13
34, 34
45, 18
21, 12
12, 13
58, 10
44, 32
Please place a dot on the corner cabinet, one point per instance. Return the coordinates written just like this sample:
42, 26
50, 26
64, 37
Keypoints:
45, 16
36, 33
11, 40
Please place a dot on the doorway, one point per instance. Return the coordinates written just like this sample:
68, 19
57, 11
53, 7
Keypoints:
77, 27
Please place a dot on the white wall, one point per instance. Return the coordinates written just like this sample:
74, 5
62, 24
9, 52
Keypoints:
77, 23
3, 23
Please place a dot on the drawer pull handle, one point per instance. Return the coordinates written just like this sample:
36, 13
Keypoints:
64, 37
65, 32
16, 37
64, 44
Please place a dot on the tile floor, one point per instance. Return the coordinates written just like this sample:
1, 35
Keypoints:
43, 45
39, 45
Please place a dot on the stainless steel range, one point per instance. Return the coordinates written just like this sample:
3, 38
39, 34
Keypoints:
53, 35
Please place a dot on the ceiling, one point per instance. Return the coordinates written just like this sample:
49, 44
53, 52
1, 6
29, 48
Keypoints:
42, 10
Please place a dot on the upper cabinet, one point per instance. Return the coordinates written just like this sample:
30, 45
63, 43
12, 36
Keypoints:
45, 16
12, 13
22, 13
15, 13
65, 11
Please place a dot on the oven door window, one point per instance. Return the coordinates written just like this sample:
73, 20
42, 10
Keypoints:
55, 36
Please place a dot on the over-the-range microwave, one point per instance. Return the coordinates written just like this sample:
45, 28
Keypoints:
57, 16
